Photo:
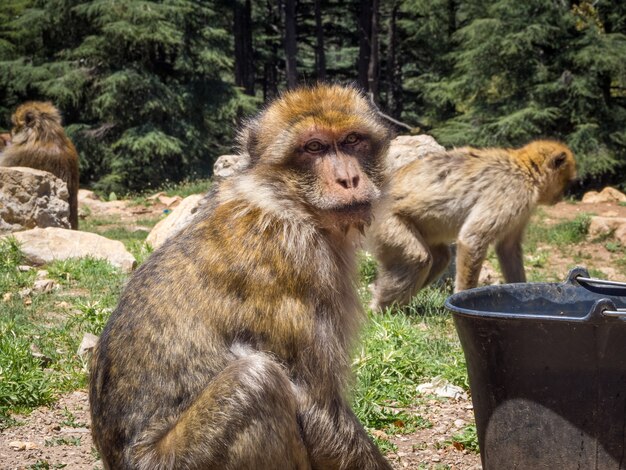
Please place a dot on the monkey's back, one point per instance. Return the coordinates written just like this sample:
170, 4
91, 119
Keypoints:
440, 190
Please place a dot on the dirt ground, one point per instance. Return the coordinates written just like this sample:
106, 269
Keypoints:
59, 436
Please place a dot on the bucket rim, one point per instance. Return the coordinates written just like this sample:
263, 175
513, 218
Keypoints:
595, 313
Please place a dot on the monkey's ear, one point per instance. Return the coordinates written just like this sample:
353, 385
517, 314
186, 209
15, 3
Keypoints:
29, 118
558, 161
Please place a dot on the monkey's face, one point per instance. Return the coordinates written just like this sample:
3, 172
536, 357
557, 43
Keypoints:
336, 170
327, 146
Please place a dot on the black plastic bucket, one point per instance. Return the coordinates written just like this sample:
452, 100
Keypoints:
547, 371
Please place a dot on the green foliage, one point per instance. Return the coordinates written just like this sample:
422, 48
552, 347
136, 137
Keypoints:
466, 439
144, 86
562, 235
28, 380
401, 350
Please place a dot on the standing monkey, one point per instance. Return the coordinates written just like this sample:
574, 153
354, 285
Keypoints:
39, 141
230, 346
474, 196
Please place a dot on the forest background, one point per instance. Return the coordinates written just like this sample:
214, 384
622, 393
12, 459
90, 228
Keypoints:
153, 91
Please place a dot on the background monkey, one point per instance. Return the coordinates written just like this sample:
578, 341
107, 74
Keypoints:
39, 141
229, 348
474, 196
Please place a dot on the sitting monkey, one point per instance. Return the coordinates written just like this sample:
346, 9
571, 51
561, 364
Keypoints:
230, 346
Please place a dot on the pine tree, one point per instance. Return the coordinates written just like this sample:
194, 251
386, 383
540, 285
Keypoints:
525, 70
145, 86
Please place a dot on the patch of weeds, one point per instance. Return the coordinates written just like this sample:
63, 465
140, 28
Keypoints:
402, 349
62, 441
89, 287
92, 317
367, 267
45, 465
465, 439
385, 445
562, 234
70, 420
23, 382
613, 247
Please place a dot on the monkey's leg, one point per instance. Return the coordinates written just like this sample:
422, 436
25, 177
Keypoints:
511, 257
469, 260
441, 259
245, 419
336, 439
404, 263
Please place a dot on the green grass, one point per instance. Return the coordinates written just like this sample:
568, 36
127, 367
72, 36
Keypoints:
401, 350
466, 439
52, 323
561, 235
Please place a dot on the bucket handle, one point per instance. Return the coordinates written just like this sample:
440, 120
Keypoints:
617, 313
604, 287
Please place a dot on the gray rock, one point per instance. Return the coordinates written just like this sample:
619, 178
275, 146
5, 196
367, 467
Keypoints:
406, 148
228, 165
87, 344
178, 219
43, 245
32, 198
608, 194
606, 226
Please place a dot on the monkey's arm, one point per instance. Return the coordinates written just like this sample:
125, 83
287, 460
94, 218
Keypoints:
511, 257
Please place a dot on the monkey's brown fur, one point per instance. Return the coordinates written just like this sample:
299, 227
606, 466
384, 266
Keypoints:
474, 196
39, 141
5, 141
230, 346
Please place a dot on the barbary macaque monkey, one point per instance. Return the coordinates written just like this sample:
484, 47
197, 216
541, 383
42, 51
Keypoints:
39, 141
230, 346
475, 197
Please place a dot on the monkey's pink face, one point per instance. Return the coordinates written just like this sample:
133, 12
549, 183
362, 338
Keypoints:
338, 164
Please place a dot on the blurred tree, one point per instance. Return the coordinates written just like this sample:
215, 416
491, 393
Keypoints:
146, 87
244, 52
524, 70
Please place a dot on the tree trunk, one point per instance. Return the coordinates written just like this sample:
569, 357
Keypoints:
270, 67
320, 54
244, 59
372, 69
394, 70
290, 43
365, 30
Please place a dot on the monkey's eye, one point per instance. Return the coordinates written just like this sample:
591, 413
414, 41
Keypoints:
314, 146
352, 139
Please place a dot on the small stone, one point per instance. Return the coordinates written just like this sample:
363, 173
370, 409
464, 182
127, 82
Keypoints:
23, 268
459, 423
25, 292
87, 344
7, 296
22, 445
44, 285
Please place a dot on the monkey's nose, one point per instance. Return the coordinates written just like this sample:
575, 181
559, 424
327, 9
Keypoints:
349, 183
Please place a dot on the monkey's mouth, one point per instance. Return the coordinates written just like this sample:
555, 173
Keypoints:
354, 208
